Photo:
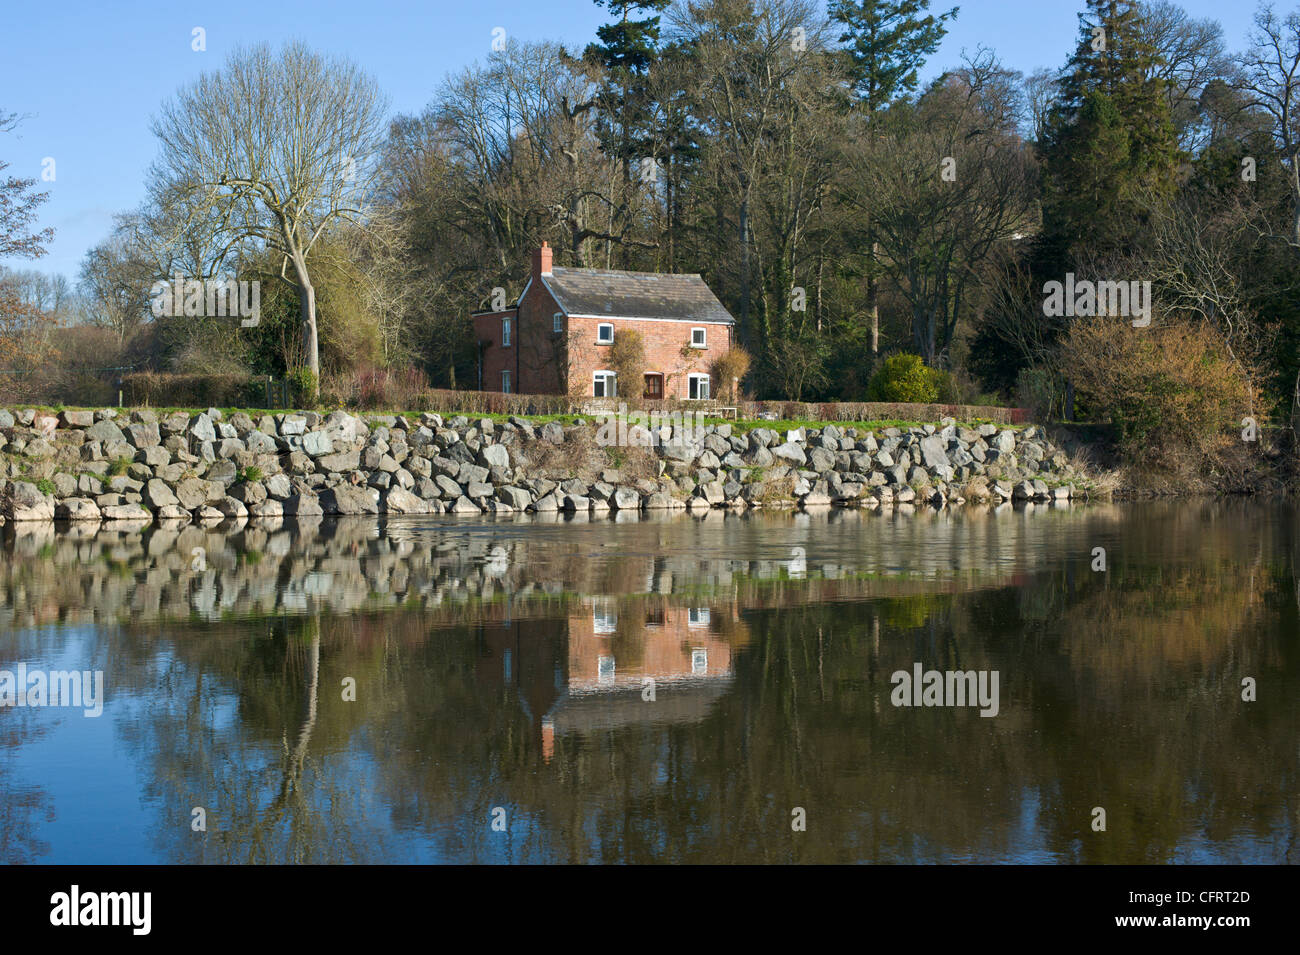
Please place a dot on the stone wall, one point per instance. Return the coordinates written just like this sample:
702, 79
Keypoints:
112, 465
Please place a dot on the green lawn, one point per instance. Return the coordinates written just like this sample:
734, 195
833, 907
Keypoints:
740, 426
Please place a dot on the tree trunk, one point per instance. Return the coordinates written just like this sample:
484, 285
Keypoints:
873, 311
310, 339
744, 263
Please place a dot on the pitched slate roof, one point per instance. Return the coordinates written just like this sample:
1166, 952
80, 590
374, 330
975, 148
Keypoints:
603, 292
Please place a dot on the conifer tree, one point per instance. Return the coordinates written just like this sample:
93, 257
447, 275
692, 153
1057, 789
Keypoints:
1110, 139
887, 41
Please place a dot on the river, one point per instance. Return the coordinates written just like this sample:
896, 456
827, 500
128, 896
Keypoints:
669, 689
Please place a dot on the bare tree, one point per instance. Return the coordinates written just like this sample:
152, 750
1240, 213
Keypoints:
18, 206
1042, 88
950, 181
270, 152
116, 276
1273, 78
1190, 56
765, 94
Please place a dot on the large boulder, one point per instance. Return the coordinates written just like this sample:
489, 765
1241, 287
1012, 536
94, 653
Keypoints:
317, 443
230, 507
450, 489
933, 455
821, 460
302, 505
105, 431
340, 463
143, 434
157, 494
127, 512
790, 451
713, 492
494, 456
192, 493
343, 428
249, 492
22, 501
626, 499
267, 508
77, 509
40, 448
77, 419
200, 428
516, 497
260, 443
398, 501
346, 499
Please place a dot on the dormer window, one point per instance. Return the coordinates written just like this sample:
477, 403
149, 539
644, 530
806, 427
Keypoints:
604, 334
698, 338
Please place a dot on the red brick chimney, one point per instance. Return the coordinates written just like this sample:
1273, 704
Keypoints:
542, 261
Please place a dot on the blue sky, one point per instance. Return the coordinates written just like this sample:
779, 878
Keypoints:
89, 74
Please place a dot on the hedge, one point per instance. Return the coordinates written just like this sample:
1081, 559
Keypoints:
165, 390
159, 389
494, 402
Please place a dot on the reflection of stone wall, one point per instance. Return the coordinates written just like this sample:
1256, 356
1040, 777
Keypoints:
501, 570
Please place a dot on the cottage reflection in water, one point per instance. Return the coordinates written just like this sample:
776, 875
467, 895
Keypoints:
614, 663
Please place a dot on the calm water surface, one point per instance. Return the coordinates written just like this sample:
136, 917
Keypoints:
361, 690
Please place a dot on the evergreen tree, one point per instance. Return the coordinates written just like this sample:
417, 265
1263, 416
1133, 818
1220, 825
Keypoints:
627, 51
887, 42
1110, 142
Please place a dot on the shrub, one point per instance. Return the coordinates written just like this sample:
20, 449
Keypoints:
627, 360
46, 487
905, 378
1173, 392
306, 387
372, 388
729, 367
249, 475
161, 389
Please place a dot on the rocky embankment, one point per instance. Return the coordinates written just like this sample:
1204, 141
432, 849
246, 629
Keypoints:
112, 465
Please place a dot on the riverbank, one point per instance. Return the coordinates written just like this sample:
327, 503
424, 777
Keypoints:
142, 465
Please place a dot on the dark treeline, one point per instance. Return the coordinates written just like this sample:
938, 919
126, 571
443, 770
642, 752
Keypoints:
844, 209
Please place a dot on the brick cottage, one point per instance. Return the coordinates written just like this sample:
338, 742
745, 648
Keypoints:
558, 336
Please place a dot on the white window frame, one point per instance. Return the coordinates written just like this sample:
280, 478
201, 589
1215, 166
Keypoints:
604, 618
704, 338
505, 333
505, 381
557, 323
600, 328
606, 670
693, 383
697, 617
699, 661
608, 378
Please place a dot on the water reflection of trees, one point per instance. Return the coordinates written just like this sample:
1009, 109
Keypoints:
805, 721
1119, 689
